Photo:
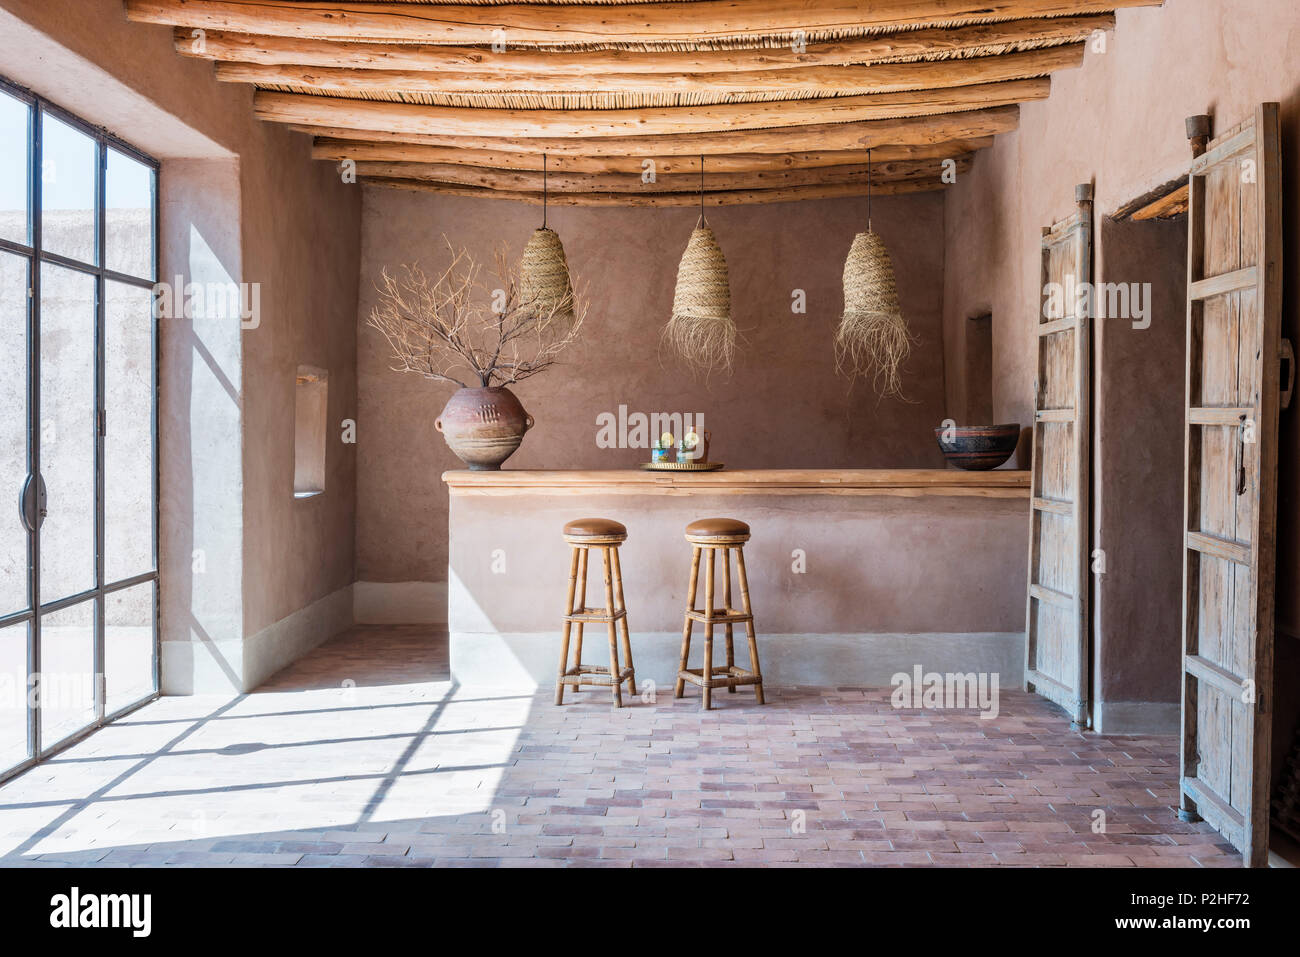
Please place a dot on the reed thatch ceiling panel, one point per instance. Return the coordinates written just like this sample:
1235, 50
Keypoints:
695, 199
898, 171
528, 122
561, 23
783, 97
551, 90
911, 131
699, 56
361, 151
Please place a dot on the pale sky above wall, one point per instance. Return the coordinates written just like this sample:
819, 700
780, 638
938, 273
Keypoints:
69, 156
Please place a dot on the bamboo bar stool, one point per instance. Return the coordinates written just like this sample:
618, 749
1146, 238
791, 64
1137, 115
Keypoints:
605, 535
710, 536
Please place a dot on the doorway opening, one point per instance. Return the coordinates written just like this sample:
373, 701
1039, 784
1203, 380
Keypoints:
1139, 386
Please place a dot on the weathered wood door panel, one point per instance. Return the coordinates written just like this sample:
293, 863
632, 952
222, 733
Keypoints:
1056, 620
1234, 310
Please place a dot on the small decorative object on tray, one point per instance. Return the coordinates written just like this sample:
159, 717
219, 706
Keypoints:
692, 454
692, 448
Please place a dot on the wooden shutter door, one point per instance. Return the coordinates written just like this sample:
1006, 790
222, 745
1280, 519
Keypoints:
1234, 312
1056, 632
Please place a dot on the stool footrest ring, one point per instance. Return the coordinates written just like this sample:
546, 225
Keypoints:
734, 677
597, 615
730, 616
592, 675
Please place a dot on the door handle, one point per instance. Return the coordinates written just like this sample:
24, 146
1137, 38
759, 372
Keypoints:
1288, 356
32, 503
1241, 457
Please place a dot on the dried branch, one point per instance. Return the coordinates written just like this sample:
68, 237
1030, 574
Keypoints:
454, 329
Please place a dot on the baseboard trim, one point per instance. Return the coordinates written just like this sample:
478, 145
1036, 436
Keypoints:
1137, 717
400, 603
529, 660
291, 637
201, 666
234, 666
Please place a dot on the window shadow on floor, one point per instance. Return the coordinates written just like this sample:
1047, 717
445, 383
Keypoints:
312, 771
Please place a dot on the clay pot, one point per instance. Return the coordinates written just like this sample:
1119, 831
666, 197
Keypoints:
483, 426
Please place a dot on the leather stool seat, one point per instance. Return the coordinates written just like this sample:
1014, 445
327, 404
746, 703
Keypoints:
717, 531
595, 529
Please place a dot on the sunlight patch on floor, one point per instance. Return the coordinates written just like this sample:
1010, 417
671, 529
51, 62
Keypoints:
187, 770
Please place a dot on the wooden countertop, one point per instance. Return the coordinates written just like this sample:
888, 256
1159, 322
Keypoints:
998, 483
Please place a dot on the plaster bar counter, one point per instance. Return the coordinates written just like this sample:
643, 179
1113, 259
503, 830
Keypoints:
855, 574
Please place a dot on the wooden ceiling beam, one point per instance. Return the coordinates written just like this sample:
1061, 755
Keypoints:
686, 23
1166, 201
721, 198
974, 40
830, 80
633, 183
1170, 206
471, 121
338, 150
911, 131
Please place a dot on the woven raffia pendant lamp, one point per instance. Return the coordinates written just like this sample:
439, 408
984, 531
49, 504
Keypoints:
873, 339
544, 271
701, 329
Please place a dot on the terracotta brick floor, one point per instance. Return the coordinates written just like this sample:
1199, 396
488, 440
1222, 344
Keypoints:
364, 754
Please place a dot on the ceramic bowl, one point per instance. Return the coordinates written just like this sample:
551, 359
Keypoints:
978, 447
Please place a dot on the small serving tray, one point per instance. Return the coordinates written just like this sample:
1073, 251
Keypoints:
682, 466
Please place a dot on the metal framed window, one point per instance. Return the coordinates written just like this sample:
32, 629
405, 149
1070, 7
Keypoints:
115, 279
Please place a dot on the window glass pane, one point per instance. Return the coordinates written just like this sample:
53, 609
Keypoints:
128, 444
68, 159
128, 646
15, 169
13, 699
67, 431
67, 687
13, 431
129, 226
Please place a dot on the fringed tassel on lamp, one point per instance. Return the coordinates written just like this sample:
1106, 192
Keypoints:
701, 329
544, 271
873, 339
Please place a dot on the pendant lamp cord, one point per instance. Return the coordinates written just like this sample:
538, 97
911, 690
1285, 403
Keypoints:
701, 187
868, 190
543, 191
